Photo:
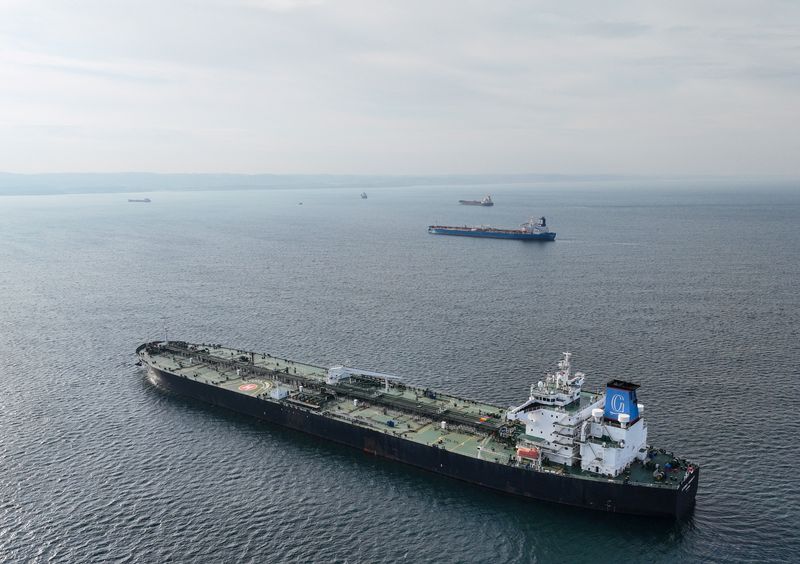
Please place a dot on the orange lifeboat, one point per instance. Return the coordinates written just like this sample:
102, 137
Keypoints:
532, 453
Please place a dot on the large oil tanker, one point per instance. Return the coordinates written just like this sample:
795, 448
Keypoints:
532, 230
562, 444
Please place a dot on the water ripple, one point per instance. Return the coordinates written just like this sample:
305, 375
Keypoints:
98, 465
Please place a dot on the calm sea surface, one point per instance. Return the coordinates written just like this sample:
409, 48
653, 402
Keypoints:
693, 294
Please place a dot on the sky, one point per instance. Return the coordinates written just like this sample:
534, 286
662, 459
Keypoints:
405, 87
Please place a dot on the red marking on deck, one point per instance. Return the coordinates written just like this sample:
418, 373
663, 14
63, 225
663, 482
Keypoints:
248, 387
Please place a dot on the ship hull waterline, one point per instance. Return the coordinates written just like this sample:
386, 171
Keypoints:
593, 494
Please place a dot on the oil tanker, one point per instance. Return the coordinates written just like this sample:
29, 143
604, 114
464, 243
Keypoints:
562, 444
486, 201
532, 230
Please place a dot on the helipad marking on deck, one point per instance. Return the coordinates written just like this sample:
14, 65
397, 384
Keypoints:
248, 387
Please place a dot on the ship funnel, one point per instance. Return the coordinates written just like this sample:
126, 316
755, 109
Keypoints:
621, 399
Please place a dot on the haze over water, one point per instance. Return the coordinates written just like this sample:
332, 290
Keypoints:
691, 293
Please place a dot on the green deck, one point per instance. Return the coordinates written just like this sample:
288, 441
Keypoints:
472, 424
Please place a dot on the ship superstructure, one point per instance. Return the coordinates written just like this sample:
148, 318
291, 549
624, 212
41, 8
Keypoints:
604, 434
563, 444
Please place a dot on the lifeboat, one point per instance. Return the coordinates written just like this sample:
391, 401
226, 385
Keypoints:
532, 453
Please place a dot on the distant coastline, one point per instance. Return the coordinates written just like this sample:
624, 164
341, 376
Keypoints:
14, 184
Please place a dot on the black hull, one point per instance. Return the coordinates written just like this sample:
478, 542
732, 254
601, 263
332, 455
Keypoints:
606, 496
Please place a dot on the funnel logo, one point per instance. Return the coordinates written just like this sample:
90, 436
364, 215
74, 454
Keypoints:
621, 401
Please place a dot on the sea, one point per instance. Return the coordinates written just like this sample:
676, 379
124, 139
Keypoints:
691, 291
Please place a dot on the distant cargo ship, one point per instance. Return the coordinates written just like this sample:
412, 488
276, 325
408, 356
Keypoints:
486, 201
561, 444
143, 200
533, 230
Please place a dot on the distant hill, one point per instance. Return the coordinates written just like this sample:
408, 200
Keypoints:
83, 183
12, 184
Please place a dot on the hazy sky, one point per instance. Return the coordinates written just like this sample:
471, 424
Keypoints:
400, 87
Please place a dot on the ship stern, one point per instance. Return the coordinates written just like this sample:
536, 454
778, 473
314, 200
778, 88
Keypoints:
684, 504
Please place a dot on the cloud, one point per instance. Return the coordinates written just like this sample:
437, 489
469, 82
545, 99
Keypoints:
282, 5
118, 70
615, 29
380, 87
